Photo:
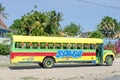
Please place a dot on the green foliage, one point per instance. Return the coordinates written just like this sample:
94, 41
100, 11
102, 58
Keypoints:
72, 29
18, 26
28, 78
108, 26
10, 34
53, 23
2, 13
38, 23
4, 49
111, 47
95, 34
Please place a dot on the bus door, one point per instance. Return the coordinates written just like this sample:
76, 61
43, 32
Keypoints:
99, 53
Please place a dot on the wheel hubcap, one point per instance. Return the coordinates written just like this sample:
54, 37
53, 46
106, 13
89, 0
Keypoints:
49, 63
110, 61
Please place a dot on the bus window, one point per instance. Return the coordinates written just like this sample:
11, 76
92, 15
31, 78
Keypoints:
86, 46
50, 45
65, 46
72, 46
42, 45
92, 46
35, 45
18, 44
79, 46
57, 46
27, 45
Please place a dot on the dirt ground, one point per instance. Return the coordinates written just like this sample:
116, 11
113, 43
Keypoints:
70, 71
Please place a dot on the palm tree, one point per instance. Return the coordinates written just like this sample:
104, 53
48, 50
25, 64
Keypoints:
2, 14
54, 19
108, 26
40, 21
34, 23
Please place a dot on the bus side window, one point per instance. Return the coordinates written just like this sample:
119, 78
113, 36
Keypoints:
57, 46
27, 45
42, 45
86, 46
18, 44
50, 45
72, 46
79, 46
65, 46
35, 45
92, 46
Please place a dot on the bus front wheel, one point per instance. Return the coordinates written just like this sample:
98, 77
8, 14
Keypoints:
48, 63
109, 60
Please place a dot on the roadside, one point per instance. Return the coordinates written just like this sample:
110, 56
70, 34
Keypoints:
59, 72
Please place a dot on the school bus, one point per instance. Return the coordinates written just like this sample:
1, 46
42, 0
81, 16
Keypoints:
49, 50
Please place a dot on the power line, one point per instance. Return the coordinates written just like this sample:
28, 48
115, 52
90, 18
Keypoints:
92, 3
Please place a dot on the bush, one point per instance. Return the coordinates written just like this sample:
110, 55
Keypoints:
4, 49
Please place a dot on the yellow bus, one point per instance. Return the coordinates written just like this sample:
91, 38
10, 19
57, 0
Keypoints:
49, 50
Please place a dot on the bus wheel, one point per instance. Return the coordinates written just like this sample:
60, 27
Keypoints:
109, 61
48, 63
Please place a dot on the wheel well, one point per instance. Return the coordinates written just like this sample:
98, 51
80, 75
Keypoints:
49, 57
110, 56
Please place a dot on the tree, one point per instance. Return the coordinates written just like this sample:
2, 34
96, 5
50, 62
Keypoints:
95, 34
38, 23
34, 23
53, 24
18, 26
2, 13
72, 29
118, 31
108, 26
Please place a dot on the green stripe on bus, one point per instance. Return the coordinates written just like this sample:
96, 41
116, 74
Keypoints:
47, 50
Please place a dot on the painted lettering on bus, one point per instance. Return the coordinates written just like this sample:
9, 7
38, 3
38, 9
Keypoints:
69, 53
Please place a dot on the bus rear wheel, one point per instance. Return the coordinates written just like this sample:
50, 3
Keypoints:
48, 63
109, 61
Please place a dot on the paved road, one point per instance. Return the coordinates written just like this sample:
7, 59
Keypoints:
60, 72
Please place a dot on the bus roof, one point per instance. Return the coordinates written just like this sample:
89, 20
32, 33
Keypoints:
17, 38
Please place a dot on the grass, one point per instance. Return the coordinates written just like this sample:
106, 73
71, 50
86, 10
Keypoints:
50, 79
28, 78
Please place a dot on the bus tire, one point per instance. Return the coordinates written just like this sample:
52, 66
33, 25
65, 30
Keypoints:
109, 60
48, 63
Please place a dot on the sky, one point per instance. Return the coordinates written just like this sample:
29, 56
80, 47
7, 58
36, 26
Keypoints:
88, 16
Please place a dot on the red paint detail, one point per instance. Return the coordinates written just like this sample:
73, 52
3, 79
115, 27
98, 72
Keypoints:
46, 44
22, 44
89, 54
30, 44
13, 54
38, 44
